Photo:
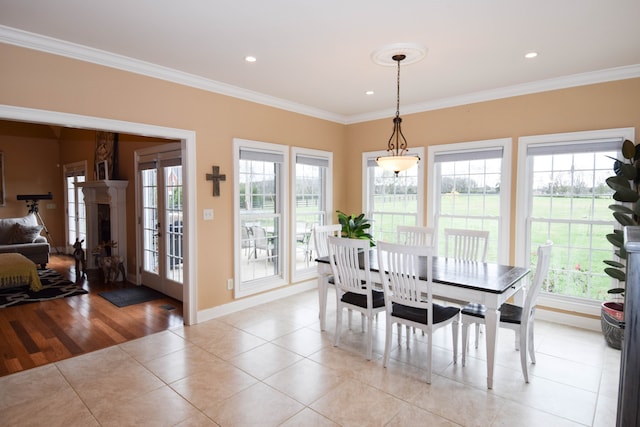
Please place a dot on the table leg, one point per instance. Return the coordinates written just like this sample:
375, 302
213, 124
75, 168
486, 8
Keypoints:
492, 323
323, 289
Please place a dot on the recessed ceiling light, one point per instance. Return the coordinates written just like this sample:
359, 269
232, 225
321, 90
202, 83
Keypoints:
250, 59
369, 92
531, 55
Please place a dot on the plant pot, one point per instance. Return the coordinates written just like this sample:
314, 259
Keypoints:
612, 322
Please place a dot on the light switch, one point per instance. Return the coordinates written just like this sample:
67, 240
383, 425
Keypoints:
207, 214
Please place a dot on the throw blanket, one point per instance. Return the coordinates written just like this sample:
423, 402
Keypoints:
18, 270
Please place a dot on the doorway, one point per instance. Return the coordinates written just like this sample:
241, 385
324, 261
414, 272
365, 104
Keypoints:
188, 149
160, 207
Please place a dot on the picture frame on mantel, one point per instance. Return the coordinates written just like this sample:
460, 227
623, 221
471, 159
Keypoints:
102, 170
107, 150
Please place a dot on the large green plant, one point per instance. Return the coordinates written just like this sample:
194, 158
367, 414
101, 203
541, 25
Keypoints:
355, 227
625, 184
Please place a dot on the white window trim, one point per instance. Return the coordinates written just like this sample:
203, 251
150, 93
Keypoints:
505, 185
562, 302
312, 271
240, 289
371, 155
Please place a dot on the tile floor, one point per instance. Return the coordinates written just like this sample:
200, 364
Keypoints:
271, 365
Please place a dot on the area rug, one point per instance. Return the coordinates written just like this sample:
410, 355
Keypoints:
131, 296
53, 286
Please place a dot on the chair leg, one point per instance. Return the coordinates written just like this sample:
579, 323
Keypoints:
523, 354
477, 334
399, 334
455, 325
530, 344
369, 336
387, 341
336, 338
362, 321
465, 342
429, 354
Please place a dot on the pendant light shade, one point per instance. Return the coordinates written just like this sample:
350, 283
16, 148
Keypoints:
397, 160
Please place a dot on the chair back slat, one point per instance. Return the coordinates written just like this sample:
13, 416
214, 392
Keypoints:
349, 261
415, 235
542, 269
399, 271
320, 234
467, 245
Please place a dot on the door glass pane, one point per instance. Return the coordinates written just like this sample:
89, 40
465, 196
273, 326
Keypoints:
173, 218
76, 211
150, 221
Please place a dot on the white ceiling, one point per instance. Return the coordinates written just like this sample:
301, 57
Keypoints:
315, 56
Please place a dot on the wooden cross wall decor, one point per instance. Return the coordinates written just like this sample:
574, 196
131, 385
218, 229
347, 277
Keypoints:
216, 178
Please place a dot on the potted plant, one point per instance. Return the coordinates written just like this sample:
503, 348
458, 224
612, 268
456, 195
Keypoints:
625, 185
355, 227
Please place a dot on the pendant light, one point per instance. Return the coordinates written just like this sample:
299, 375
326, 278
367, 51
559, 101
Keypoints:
397, 160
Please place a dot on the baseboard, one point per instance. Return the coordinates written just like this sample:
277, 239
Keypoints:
564, 318
252, 301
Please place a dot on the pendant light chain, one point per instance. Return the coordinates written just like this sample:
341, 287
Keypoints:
398, 87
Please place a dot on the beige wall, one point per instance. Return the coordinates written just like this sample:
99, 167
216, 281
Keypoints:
601, 106
31, 166
38, 80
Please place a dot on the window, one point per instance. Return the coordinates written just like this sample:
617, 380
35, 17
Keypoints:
390, 200
563, 197
471, 190
261, 204
311, 201
76, 217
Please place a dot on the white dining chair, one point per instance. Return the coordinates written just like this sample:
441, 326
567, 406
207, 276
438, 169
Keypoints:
415, 235
349, 261
408, 299
516, 318
320, 236
468, 245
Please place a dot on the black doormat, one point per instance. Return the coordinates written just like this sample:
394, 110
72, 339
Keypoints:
131, 296
53, 286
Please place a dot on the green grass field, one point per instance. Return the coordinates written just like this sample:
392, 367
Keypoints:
579, 246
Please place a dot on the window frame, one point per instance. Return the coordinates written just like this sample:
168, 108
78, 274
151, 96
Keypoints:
523, 197
243, 289
366, 190
312, 270
433, 189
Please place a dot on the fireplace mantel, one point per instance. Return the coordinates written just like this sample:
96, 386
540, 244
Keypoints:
106, 204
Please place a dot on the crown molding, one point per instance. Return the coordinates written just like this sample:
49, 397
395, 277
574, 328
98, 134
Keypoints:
54, 46
583, 79
96, 56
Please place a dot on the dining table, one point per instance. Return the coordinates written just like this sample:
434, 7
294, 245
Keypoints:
455, 280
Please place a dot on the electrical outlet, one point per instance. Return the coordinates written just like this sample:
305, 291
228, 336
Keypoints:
230, 284
207, 214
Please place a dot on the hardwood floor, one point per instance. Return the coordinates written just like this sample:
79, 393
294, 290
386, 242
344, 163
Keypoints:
39, 333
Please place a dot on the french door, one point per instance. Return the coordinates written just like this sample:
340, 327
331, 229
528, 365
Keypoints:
161, 222
76, 213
